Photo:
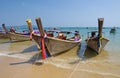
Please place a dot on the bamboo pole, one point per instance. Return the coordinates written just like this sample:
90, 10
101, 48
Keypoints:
100, 26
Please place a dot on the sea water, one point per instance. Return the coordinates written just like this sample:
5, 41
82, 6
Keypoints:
106, 64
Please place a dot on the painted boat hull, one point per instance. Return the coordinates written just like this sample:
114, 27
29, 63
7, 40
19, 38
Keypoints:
3, 35
56, 46
18, 37
93, 44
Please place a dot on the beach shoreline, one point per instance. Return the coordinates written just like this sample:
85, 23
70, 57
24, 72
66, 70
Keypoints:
17, 58
13, 67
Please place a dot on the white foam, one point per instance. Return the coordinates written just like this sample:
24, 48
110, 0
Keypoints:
62, 63
99, 61
14, 55
100, 73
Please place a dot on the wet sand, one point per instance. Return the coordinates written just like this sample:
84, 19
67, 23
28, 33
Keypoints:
17, 62
14, 68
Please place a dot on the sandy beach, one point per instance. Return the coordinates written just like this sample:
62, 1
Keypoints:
17, 62
58, 26
19, 68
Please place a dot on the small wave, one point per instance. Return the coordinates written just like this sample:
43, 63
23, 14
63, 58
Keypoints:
14, 56
100, 73
98, 61
61, 63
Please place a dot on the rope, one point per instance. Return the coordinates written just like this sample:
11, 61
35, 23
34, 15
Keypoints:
74, 70
84, 48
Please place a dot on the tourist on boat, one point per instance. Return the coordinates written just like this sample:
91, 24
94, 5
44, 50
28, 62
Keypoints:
93, 34
45, 34
61, 35
49, 33
77, 36
12, 30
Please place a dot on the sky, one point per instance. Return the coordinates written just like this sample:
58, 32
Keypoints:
80, 13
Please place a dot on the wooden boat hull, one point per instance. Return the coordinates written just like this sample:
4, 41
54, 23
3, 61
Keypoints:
96, 45
37, 40
97, 42
56, 46
18, 37
2, 35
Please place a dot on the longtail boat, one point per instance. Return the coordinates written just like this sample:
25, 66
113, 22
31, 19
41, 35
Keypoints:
56, 44
113, 30
17, 36
3, 34
97, 42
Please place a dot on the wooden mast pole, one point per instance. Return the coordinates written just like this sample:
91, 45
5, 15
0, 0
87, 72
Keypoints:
100, 26
40, 27
29, 25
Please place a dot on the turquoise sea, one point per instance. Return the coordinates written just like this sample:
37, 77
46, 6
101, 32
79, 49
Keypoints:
106, 64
